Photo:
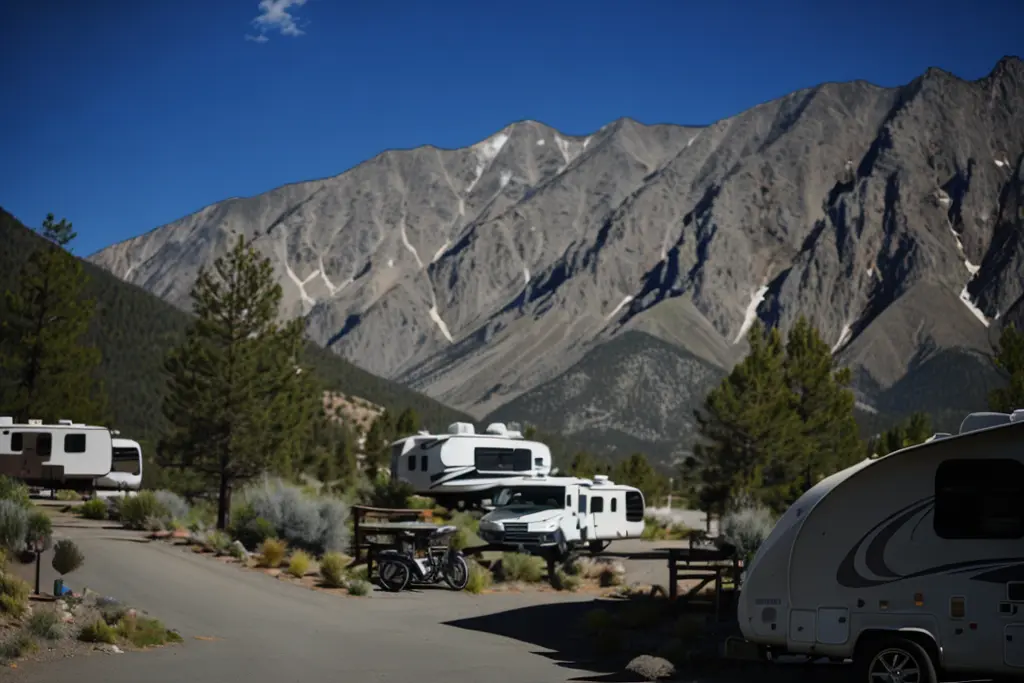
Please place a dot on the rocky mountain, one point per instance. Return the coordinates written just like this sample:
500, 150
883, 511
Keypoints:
488, 276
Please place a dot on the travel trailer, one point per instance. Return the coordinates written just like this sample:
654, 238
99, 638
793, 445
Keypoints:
911, 564
541, 513
126, 470
65, 455
461, 467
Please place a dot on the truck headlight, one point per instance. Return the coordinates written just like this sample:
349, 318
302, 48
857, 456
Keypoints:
489, 526
546, 526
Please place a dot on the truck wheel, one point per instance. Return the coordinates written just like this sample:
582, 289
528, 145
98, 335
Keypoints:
894, 660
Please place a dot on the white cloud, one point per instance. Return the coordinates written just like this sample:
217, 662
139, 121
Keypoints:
274, 16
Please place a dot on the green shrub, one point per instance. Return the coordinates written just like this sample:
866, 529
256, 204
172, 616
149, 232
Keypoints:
358, 587
66, 495
567, 582
315, 524
40, 526
480, 578
521, 567
215, 541
45, 623
272, 552
94, 508
745, 529
360, 573
145, 632
392, 494
98, 631
18, 644
299, 564
67, 557
13, 595
139, 511
249, 529
13, 526
15, 491
332, 569
173, 508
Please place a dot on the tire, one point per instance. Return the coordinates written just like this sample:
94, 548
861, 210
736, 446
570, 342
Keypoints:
886, 654
456, 573
393, 576
598, 547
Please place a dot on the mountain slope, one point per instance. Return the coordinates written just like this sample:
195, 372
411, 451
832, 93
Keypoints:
134, 330
888, 216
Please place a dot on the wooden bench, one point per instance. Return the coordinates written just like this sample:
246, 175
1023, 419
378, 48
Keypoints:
704, 563
364, 523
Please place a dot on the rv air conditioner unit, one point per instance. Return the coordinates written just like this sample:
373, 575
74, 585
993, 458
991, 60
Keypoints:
35, 422
461, 428
497, 429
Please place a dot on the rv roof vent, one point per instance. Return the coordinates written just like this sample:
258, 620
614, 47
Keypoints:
497, 429
66, 423
35, 422
423, 432
601, 479
1017, 415
976, 421
5, 420
461, 428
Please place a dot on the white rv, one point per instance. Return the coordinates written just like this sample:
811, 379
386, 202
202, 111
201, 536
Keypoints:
912, 563
126, 470
65, 455
463, 466
542, 512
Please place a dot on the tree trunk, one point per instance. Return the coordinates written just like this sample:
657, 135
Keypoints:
224, 503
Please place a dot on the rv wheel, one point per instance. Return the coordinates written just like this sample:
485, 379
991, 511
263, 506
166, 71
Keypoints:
894, 660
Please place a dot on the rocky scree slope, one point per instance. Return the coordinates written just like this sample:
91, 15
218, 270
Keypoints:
889, 216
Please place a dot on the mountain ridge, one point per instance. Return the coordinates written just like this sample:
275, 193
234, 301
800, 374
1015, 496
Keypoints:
887, 215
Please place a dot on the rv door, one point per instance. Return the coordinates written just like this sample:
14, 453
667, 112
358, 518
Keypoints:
584, 514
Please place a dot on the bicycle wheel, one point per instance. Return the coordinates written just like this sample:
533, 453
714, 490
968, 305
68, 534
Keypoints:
456, 572
393, 575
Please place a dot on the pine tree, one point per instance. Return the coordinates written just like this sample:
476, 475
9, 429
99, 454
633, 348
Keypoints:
408, 423
1009, 358
238, 402
824, 405
749, 429
637, 471
46, 370
910, 432
374, 446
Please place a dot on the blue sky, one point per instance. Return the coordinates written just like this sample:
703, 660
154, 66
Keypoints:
122, 116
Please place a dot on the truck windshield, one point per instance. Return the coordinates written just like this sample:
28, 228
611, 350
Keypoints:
532, 496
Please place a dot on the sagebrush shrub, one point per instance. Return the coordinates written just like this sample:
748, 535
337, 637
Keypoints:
13, 526
480, 578
315, 524
272, 552
521, 567
45, 623
98, 631
332, 569
94, 508
173, 506
358, 587
746, 529
139, 510
13, 595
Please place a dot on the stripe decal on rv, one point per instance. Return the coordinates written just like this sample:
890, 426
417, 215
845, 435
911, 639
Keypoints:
877, 539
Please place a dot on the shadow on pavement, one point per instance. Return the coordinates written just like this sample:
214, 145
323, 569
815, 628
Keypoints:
556, 629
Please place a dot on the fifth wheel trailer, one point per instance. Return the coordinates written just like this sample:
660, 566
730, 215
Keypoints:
65, 455
911, 564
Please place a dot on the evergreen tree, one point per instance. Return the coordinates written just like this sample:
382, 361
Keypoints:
912, 431
824, 405
637, 471
408, 423
584, 465
238, 402
749, 429
374, 446
45, 369
1009, 358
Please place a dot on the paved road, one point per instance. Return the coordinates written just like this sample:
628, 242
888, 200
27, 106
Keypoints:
269, 631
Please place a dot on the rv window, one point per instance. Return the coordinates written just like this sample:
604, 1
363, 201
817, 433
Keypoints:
17, 442
597, 504
568, 501
634, 506
412, 463
74, 443
615, 504
423, 463
502, 459
126, 460
538, 462
44, 443
583, 504
979, 499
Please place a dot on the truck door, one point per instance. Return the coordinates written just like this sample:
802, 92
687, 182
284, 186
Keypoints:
584, 515
571, 526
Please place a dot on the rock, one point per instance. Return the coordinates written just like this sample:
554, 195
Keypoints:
66, 617
238, 550
652, 668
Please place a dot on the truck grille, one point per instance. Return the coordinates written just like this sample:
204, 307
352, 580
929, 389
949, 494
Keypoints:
516, 532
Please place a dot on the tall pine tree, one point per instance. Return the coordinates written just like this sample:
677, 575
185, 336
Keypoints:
749, 429
824, 405
47, 370
239, 402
